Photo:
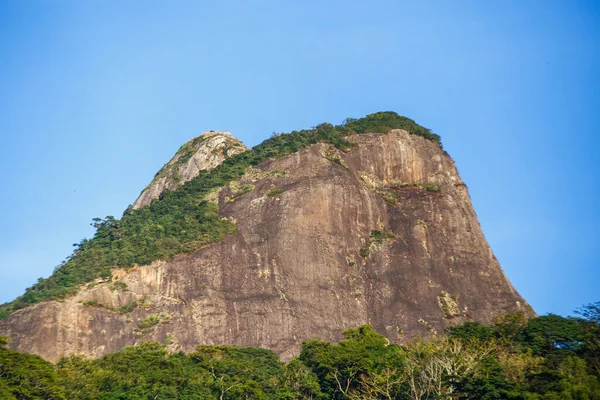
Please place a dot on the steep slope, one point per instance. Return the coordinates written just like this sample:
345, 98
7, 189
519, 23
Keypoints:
383, 233
182, 220
199, 154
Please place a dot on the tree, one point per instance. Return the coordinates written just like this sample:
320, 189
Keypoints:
300, 382
341, 367
434, 367
550, 332
590, 325
27, 376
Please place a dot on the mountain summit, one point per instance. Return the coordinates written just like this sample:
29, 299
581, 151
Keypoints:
199, 154
301, 237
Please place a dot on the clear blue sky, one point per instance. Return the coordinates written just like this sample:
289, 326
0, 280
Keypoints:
95, 96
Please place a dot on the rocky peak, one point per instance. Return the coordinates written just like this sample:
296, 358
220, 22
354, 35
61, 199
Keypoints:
201, 153
383, 233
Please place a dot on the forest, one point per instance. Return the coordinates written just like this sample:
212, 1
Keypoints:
546, 357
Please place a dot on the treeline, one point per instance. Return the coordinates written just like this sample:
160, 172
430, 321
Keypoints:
548, 357
182, 220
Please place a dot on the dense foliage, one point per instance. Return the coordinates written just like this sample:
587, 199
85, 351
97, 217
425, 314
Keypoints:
548, 357
183, 220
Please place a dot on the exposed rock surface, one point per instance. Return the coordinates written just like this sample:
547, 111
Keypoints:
304, 263
201, 153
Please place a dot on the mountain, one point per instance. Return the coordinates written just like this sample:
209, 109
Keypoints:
199, 154
301, 237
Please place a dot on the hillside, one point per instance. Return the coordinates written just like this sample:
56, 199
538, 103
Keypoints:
180, 221
301, 237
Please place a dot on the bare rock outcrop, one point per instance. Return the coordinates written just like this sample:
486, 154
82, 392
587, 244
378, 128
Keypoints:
201, 153
383, 234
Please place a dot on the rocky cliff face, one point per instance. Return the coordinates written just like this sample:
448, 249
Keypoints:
201, 153
383, 234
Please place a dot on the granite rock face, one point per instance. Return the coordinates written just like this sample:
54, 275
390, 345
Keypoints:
199, 154
383, 234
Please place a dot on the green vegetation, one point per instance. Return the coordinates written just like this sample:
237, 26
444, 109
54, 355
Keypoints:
239, 190
378, 186
449, 304
126, 309
379, 236
390, 197
548, 357
386, 121
93, 303
375, 240
118, 286
411, 184
432, 187
151, 320
91, 285
27, 376
183, 220
255, 174
274, 192
331, 154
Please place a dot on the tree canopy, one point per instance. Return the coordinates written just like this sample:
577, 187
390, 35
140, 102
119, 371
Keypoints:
548, 357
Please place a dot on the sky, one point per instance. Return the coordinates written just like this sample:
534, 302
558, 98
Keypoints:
95, 96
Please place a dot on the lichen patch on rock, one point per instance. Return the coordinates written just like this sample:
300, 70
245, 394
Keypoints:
449, 304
